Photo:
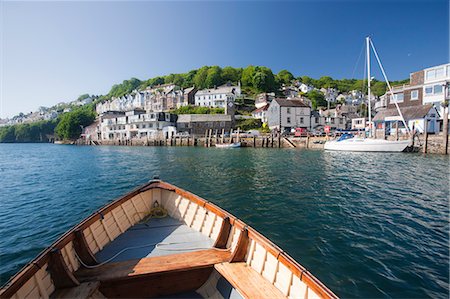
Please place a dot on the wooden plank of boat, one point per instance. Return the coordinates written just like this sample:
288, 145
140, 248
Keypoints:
84, 290
169, 273
247, 281
154, 265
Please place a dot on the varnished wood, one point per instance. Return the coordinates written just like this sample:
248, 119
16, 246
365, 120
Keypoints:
84, 290
222, 238
247, 281
157, 285
241, 247
60, 273
82, 249
154, 265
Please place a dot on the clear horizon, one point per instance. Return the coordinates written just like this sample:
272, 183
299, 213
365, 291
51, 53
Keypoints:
55, 51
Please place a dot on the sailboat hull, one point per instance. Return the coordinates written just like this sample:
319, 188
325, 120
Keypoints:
367, 145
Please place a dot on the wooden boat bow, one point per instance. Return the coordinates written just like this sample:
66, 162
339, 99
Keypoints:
240, 254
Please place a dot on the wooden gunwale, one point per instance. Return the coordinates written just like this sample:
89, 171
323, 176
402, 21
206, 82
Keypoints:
16, 282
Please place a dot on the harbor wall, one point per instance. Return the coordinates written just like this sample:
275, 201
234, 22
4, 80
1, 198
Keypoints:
431, 143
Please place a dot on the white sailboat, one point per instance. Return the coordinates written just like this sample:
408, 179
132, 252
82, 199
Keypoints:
357, 144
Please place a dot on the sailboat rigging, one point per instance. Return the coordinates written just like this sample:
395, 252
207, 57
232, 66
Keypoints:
370, 144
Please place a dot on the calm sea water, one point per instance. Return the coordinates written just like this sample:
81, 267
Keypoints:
367, 225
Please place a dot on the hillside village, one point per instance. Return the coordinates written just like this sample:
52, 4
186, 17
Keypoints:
170, 109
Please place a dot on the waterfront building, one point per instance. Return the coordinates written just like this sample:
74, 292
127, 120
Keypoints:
134, 124
261, 113
427, 86
217, 97
359, 123
197, 124
287, 114
414, 116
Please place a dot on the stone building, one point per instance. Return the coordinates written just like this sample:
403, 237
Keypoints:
197, 124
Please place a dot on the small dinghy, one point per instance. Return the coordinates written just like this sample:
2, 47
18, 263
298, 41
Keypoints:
161, 241
229, 145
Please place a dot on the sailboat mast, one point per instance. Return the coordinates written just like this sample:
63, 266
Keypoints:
390, 88
368, 85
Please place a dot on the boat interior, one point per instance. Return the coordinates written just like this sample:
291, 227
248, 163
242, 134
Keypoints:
159, 241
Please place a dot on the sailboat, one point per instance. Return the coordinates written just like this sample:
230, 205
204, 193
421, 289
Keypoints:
357, 144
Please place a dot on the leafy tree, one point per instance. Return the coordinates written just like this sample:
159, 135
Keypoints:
378, 88
7, 134
247, 76
83, 96
317, 99
326, 82
197, 110
285, 77
213, 77
230, 74
70, 125
200, 77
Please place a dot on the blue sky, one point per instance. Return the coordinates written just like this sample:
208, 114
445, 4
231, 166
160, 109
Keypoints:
55, 51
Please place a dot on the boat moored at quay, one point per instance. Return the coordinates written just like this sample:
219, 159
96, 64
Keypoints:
162, 241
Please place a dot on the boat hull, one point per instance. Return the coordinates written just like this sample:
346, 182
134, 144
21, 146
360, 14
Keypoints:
229, 145
366, 145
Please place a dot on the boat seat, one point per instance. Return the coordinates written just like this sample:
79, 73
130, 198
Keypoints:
84, 290
153, 265
247, 281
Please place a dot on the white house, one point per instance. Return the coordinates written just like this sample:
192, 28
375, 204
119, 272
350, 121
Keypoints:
284, 115
261, 113
134, 124
305, 88
414, 116
217, 97
436, 86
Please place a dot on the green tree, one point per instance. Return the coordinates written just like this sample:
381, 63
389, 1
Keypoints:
7, 134
200, 77
284, 77
213, 77
69, 127
230, 74
317, 99
83, 96
247, 76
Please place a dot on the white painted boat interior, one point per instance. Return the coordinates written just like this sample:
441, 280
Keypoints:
154, 237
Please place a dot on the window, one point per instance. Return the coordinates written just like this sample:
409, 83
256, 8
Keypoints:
332, 120
437, 89
341, 121
414, 94
301, 120
448, 70
398, 98
288, 110
288, 120
440, 72
428, 90
431, 74
317, 120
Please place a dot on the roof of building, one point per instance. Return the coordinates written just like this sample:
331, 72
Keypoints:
187, 118
263, 108
187, 90
412, 112
218, 90
291, 102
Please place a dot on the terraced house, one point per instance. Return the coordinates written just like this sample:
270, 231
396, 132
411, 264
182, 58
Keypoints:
426, 92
